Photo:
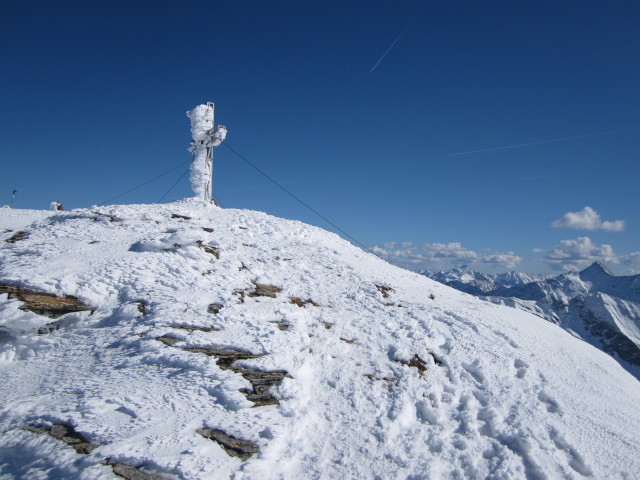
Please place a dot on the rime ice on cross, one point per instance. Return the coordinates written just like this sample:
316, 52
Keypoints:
205, 136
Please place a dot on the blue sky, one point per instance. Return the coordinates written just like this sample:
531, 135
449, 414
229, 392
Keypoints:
94, 95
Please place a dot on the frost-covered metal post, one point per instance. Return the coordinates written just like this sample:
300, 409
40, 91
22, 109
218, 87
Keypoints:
205, 136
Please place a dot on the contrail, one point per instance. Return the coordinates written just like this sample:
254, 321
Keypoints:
553, 140
394, 42
389, 49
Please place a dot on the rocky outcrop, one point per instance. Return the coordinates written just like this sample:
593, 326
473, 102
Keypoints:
129, 472
45, 303
261, 380
67, 434
235, 447
16, 237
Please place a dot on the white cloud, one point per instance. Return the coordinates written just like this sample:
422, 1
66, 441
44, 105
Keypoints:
631, 262
441, 256
587, 219
577, 254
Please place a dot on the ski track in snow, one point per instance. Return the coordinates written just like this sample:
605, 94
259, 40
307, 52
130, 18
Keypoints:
505, 395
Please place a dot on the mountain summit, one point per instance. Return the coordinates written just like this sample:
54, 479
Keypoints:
597, 271
188, 341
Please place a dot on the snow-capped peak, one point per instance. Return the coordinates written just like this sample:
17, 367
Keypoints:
596, 271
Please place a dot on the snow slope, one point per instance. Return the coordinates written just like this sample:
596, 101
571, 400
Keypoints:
593, 304
503, 395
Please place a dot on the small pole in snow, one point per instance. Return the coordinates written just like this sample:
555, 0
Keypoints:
205, 135
13, 197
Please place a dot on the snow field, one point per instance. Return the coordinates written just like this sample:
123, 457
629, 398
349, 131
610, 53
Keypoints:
504, 394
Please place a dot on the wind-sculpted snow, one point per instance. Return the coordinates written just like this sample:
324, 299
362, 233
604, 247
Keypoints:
381, 373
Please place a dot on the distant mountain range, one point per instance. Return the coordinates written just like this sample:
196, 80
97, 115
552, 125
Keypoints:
594, 304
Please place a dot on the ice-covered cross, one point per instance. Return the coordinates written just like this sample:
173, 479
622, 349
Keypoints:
205, 136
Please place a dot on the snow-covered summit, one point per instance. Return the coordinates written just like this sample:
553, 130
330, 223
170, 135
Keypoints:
596, 270
601, 279
211, 343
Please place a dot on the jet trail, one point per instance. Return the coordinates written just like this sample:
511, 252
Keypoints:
554, 140
395, 41
390, 47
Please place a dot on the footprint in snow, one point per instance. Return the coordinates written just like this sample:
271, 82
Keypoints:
474, 371
505, 337
521, 367
552, 405
575, 459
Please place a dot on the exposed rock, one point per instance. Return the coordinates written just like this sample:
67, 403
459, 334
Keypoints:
167, 340
45, 303
436, 360
346, 340
111, 218
214, 308
130, 472
235, 447
181, 217
142, 306
209, 249
260, 290
36, 429
49, 328
133, 473
240, 294
261, 380
418, 363
189, 328
282, 325
208, 230
67, 434
370, 376
72, 438
226, 358
385, 290
301, 303
16, 237
264, 290
328, 325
